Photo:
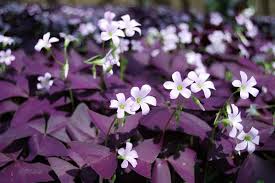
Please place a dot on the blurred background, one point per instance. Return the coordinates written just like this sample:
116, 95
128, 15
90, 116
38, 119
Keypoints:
263, 7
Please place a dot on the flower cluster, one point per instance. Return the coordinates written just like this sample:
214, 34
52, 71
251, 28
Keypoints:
139, 99
233, 121
198, 83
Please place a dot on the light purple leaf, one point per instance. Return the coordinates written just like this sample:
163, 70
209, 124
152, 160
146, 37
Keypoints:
147, 153
25, 173
63, 169
184, 165
161, 172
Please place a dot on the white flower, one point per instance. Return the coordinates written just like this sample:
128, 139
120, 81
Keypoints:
170, 38
217, 45
246, 86
45, 82
6, 57
193, 58
183, 26
216, 48
46, 42
67, 38
137, 46
178, 86
5, 40
86, 28
141, 99
234, 119
112, 32
130, 26
128, 155
122, 105
185, 36
153, 35
108, 19
248, 140
110, 59
201, 83
215, 18
123, 45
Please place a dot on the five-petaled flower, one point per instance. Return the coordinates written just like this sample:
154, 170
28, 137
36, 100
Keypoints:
201, 83
246, 86
6, 57
178, 86
45, 82
46, 42
234, 120
122, 105
130, 26
112, 32
141, 99
128, 155
248, 140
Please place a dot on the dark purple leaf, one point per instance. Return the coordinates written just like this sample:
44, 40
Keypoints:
25, 173
256, 169
45, 146
9, 90
29, 109
98, 157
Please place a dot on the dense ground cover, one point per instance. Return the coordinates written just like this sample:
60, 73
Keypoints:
201, 95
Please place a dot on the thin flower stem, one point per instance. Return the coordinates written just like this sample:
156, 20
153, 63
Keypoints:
109, 130
166, 126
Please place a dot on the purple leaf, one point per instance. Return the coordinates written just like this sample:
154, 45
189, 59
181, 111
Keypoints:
161, 172
100, 121
79, 126
157, 118
255, 169
29, 109
15, 133
9, 90
4, 159
63, 169
25, 173
191, 125
130, 124
184, 165
98, 157
45, 146
147, 153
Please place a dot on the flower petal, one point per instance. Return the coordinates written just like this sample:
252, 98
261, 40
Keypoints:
244, 94
233, 132
124, 164
135, 92
120, 97
250, 147
145, 108
241, 146
207, 92
145, 90
185, 93
237, 83
114, 104
150, 100
177, 77
195, 88
169, 85
174, 94
243, 77
254, 92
